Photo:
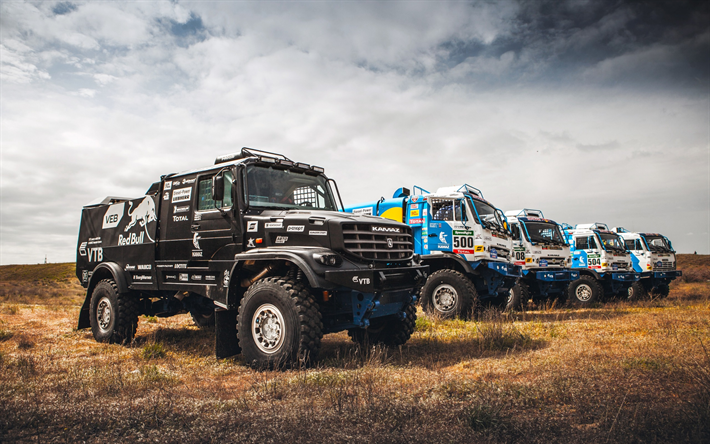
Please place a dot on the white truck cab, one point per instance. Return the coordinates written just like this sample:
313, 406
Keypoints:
653, 256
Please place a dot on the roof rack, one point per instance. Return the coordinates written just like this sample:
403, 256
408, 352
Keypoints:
249, 152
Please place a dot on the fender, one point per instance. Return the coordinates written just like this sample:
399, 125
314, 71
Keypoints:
432, 258
314, 280
588, 272
102, 271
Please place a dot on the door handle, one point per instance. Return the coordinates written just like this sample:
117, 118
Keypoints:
195, 227
432, 235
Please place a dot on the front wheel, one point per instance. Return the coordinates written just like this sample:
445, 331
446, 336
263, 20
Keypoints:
636, 292
279, 324
518, 296
661, 291
584, 291
389, 330
448, 294
113, 316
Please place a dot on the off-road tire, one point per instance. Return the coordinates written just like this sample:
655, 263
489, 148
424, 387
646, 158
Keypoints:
389, 330
293, 313
584, 291
204, 322
119, 314
518, 296
661, 291
636, 292
448, 294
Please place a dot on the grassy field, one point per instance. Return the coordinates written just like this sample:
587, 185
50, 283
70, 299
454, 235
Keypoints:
618, 372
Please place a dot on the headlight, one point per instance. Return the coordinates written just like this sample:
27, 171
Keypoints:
330, 259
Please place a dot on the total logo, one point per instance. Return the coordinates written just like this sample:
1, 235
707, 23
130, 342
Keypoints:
361, 281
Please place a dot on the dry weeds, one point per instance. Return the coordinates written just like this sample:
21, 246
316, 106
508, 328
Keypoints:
621, 372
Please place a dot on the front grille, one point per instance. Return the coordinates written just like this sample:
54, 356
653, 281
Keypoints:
620, 265
363, 243
555, 261
664, 266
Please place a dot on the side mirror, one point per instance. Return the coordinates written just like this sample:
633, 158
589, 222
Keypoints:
218, 188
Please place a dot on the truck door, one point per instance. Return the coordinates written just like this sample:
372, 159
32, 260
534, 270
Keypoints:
214, 228
175, 216
441, 215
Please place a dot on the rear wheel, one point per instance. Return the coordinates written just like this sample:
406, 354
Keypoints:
279, 324
390, 330
584, 291
202, 320
661, 291
636, 292
448, 294
113, 315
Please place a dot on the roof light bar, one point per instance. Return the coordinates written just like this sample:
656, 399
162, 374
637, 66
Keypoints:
318, 169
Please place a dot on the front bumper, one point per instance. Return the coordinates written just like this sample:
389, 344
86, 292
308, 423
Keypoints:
557, 276
379, 280
506, 269
661, 274
625, 277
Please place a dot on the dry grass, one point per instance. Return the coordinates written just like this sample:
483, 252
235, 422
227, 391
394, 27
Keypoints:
621, 372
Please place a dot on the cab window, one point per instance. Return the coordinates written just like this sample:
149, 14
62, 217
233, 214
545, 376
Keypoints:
581, 243
447, 210
204, 193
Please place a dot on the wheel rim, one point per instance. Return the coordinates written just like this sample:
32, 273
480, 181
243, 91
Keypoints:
630, 292
267, 327
511, 295
584, 292
444, 298
103, 314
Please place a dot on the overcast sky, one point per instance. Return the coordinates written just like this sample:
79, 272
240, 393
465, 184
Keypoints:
589, 110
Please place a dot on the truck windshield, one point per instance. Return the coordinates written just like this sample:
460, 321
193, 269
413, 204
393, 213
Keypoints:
544, 232
612, 242
285, 189
657, 244
488, 215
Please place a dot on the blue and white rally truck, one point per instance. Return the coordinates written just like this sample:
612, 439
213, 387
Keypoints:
603, 261
463, 239
539, 247
653, 256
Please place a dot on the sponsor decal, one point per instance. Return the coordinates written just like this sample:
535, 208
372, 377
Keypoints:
379, 229
129, 267
295, 228
176, 183
142, 277
250, 243
168, 185
181, 209
225, 279
180, 265
182, 194
659, 264
187, 181
196, 253
164, 266
442, 238
196, 241
82, 249
414, 213
463, 233
414, 207
85, 276
252, 226
416, 221
494, 253
281, 239
317, 222
415, 198
543, 263
166, 196
94, 240
180, 219
361, 281
210, 277
113, 215
131, 239
434, 225
198, 216
96, 254
142, 215
614, 267
425, 212
479, 249
170, 277
317, 233
183, 277
274, 224
196, 277
145, 267
363, 211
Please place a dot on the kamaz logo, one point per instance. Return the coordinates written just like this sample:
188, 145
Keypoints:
361, 281
386, 229
390, 243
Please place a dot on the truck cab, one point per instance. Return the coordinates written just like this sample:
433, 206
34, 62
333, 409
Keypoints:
540, 248
653, 256
464, 240
603, 261
256, 242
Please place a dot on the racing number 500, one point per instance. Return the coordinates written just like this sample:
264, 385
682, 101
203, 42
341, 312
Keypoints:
463, 241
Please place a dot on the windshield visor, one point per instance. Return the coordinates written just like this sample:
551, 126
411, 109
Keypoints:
285, 189
612, 242
487, 215
657, 244
544, 232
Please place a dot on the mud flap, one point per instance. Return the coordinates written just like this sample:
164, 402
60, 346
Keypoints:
226, 342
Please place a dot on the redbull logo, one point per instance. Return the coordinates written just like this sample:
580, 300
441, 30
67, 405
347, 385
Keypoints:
131, 239
143, 214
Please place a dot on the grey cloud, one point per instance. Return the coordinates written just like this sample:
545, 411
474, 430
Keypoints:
599, 146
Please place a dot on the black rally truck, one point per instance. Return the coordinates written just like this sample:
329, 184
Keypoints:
254, 244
